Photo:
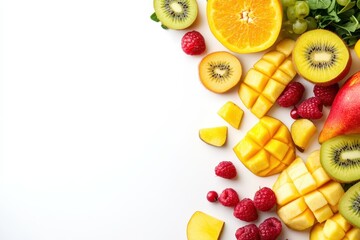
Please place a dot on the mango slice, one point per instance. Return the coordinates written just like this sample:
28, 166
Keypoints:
215, 136
266, 80
267, 148
231, 113
305, 194
203, 226
334, 228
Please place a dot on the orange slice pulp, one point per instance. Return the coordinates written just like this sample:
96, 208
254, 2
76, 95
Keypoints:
245, 26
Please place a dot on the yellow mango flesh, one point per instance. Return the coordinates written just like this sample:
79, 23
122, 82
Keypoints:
215, 136
268, 77
305, 197
334, 228
267, 148
231, 113
203, 226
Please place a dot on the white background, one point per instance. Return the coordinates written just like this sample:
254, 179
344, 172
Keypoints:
100, 117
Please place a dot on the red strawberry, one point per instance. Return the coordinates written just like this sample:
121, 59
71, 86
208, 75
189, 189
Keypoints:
248, 232
193, 43
291, 95
226, 169
229, 197
245, 210
311, 108
270, 228
326, 93
264, 199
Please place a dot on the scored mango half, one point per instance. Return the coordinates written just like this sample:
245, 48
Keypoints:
305, 193
267, 148
267, 79
334, 228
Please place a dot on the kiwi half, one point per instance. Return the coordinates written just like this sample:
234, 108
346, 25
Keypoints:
220, 71
349, 205
320, 56
178, 14
340, 157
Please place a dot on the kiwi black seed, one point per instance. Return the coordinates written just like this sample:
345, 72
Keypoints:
349, 205
340, 157
178, 14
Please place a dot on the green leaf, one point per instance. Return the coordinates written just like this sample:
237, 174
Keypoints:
348, 6
154, 17
358, 4
351, 26
319, 4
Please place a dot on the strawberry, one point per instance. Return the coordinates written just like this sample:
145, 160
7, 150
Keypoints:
326, 93
310, 108
226, 169
245, 210
193, 43
291, 95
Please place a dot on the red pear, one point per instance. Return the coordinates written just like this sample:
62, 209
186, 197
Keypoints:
344, 115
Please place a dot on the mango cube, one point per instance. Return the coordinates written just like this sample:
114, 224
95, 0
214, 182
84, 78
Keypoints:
231, 113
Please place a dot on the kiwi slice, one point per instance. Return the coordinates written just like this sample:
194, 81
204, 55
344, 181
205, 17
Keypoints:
322, 57
178, 14
349, 205
220, 71
340, 157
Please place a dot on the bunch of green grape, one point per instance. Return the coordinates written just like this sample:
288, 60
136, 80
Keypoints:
296, 17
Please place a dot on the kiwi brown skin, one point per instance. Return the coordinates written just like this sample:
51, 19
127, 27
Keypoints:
339, 166
349, 205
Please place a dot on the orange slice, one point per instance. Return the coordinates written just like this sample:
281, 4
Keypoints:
245, 26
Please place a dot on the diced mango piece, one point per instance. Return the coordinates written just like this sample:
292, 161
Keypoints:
215, 136
231, 113
261, 153
353, 234
203, 226
307, 184
341, 221
333, 231
268, 77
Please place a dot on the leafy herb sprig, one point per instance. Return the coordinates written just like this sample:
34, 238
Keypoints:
343, 20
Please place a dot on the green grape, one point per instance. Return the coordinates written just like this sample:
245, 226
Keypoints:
342, 2
288, 3
311, 22
290, 13
300, 26
301, 9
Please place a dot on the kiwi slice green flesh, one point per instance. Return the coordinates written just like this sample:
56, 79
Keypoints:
340, 157
349, 205
178, 14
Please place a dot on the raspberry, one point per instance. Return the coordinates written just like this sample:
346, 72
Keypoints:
291, 95
326, 93
245, 210
193, 43
294, 114
270, 228
310, 108
229, 197
212, 196
226, 169
248, 232
264, 199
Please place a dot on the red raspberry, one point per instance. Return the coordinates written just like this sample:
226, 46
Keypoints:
193, 43
226, 169
212, 196
229, 197
264, 199
311, 108
326, 93
294, 114
270, 228
248, 232
245, 210
291, 95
